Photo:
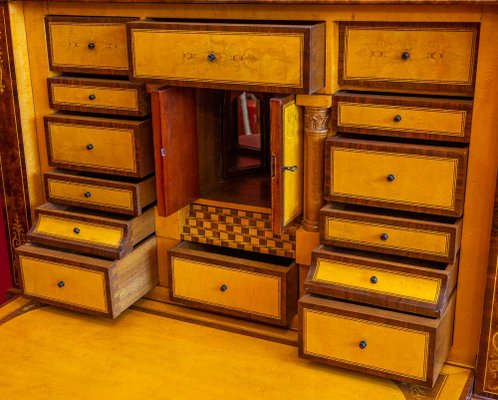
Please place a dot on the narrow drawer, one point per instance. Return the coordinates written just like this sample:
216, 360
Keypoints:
407, 237
407, 117
397, 284
94, 45
110, 146
87, 284
118, 196
257, 56
237, 283
100, 96
379, 342
90, 233
407, 177
425, 57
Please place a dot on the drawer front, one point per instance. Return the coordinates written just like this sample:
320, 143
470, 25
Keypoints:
68, 284
426, 57
227, 287
367, 344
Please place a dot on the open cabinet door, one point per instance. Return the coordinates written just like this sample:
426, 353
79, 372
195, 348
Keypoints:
175, 148
287, 161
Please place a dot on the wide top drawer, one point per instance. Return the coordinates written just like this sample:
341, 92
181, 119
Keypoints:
424, 57
271, 57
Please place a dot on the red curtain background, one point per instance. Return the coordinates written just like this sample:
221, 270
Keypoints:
5, 282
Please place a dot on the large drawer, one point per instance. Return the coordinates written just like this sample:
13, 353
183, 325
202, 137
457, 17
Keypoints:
111, 146
238, 283
389, 234
257, 56
393, 345
406, 117
88, 284
408, 177
94, 45
90, 233
117, 196
424, 57
100, 96
397, 284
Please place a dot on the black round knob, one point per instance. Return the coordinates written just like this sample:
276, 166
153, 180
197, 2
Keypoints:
390, 177
89, 146
405, 55
76, 230
223, 288
384, 236
88, 194
91, 46
397, 118
211, 57
362, 344
92, 96
61, 284
374, 279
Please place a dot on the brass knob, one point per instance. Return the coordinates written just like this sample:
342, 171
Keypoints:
397, 118
390, 177
363, 344
211, 57
76, 230
384, 236
91, 46
374, 279
223, 288
61, 284
405, 55
89, 146
92, 97
88, 194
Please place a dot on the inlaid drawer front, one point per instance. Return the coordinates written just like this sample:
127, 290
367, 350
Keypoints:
118, 147
438, 58
400, 285
101, 194
400, 176
229, 284
87, 44
94, 234
380, 342
102, 96
408, 237
257, 56
88, 284
420, 118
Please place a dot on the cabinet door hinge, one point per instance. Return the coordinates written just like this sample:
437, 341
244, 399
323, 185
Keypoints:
163, 152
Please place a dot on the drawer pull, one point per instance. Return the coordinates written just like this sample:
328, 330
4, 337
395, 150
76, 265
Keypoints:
405, 55
211, 57
397, 118
223, 288
76, 230
390, 177
89, 146
92, 97
374, 279
88, 194
91, 46
61, 284
384, 236
292, 168
363, 344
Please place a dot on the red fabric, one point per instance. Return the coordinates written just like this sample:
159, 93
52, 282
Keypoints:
5, 281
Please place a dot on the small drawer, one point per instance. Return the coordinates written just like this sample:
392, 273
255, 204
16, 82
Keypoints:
90, 233
87, 284
397, 284
425, 179
397, 235
95, 45
117, 196
406, 117
385, 343
100, 96
258, 56
422, 57
246, 285
110, 146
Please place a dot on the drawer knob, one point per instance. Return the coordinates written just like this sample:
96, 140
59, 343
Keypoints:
390, 177
89, 146
91, 46
61, 284
92, 97
363, 344
384, 236
88, 194
374, 279
223, 288
397, 118
76, 230
211, 57
405, 55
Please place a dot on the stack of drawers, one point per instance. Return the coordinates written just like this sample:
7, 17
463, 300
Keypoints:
381, 288
100, 217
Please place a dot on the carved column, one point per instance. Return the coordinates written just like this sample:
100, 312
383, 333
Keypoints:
316, 128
